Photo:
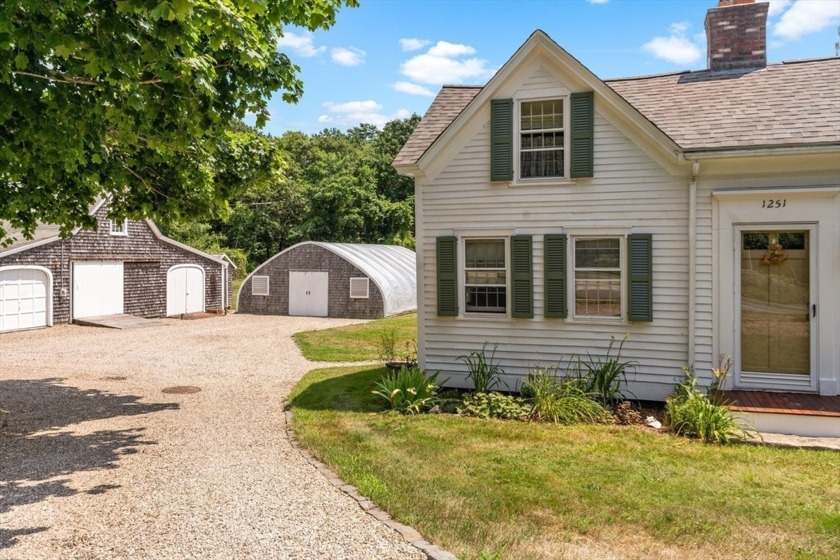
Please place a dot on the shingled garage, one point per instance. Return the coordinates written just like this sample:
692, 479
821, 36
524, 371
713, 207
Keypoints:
124, 267
333, 280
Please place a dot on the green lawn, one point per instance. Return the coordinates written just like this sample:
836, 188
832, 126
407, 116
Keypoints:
235, 298
357, 343
538, 491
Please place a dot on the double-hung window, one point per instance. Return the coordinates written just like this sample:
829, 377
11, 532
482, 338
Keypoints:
597, 277
485, 276
542, 139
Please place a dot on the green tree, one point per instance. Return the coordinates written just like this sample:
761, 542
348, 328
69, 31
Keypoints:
139, 100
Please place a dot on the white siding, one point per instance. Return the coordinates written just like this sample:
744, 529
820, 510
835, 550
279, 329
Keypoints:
629, 190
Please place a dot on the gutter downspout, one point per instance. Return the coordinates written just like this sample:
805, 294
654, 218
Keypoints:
692, 258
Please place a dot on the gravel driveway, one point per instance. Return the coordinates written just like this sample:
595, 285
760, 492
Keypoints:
98, 462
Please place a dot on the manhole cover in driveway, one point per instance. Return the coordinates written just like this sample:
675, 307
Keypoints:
182, 390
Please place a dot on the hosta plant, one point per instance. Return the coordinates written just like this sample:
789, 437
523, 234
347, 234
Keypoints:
495, 405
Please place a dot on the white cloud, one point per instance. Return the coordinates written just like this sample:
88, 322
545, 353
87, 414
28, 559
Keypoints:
413, 89
679, 27
597, 1
413, 44
349, 56
301, 44
444, 63
447, 49
353, 113
807, 16
777, 6
676, 47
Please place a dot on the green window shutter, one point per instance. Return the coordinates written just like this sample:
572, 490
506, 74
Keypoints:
522, 276
555, 276
640, 281
501, 140
582, 134
447, 276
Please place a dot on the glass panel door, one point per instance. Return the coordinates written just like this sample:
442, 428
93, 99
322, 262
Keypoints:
775, 302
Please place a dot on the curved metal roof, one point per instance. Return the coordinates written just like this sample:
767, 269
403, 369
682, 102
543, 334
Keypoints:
393, 269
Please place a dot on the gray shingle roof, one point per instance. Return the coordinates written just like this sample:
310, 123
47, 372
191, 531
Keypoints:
786, 104
447, 105
43, 231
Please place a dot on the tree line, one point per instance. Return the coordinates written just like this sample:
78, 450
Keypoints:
328, 186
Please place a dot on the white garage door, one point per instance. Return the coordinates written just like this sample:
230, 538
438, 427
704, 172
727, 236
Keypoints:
184, 290
24, 299
309, 293
97, 288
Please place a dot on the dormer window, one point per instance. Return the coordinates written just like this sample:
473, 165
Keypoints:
118, 228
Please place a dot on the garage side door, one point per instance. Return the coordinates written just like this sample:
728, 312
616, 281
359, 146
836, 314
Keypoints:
97, 288
184, 290
23, 299
309, 293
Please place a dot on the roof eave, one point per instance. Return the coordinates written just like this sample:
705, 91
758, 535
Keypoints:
760, 151
408, 169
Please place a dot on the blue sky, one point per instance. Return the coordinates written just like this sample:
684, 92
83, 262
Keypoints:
387, 58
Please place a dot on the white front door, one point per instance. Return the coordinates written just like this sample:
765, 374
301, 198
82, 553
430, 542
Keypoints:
184, 290
776, 307
97, 288
309, 293
24, 298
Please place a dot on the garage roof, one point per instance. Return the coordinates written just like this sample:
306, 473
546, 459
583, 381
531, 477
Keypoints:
392, 268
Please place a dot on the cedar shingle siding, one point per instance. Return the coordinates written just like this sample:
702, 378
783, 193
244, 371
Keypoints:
146, 259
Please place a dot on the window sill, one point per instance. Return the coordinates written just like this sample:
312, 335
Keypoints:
598, 320
471, 315
556, 182
112, 234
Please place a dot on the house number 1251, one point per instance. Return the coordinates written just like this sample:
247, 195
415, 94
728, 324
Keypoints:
777, 203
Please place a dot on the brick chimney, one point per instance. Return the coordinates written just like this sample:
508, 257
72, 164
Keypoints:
736, 32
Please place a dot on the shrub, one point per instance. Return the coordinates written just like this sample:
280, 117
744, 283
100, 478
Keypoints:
691, 413
388, 345
560, 401
407, 391
495, 405
604, 376
483, 371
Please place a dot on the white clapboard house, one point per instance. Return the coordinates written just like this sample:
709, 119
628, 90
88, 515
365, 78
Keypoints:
699, 212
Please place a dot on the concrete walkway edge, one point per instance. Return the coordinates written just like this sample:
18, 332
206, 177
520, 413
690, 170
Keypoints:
410, 534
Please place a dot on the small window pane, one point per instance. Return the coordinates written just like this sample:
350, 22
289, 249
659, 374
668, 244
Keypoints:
485, 254
488, 299
597, 253
598, 293
486, 277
